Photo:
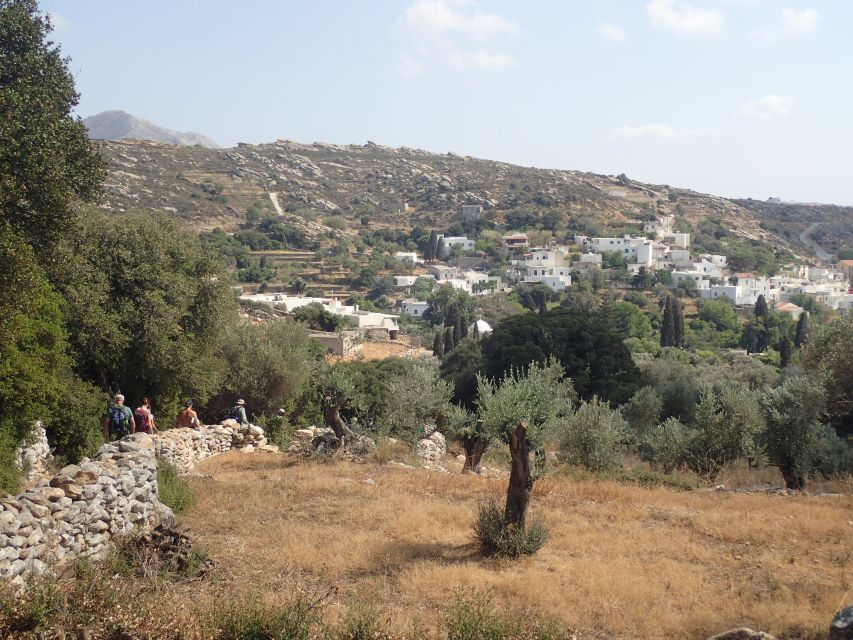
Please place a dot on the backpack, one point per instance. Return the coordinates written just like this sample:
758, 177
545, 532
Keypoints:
235, 414
118, 421
141, 420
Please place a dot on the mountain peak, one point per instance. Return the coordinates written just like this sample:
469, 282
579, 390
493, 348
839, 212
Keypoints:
118, 125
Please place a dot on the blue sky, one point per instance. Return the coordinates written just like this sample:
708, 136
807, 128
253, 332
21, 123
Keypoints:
740, 98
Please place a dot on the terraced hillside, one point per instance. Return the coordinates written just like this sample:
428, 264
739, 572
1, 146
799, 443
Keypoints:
324, 188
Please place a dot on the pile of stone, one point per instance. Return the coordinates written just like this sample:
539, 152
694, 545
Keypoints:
34, 458
76, 513
432, 448
184, 448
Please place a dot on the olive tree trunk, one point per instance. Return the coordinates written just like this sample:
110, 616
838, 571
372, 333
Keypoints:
333, 420
793, 480
520, 478
474, 446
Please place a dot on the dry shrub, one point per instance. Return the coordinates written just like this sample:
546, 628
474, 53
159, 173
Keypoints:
494, 536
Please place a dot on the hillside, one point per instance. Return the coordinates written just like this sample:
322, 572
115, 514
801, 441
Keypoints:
215, 187
120, 125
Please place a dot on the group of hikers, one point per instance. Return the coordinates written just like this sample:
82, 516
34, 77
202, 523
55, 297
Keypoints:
120, 421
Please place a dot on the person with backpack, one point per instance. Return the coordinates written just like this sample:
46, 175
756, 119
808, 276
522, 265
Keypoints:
144, 419
238, 413
119, 420
187, 419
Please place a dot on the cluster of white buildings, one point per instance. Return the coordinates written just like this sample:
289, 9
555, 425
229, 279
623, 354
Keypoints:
358, 318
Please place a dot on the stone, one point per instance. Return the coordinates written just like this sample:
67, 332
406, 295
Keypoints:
841, 627
86, 477
54, 494
742, 633
432, 448
73, 491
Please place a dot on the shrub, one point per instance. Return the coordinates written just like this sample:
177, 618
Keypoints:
664, 445
592, 436
173, 489
495, 537
74, 427
472, 617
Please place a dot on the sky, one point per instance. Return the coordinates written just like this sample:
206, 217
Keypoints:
739, 98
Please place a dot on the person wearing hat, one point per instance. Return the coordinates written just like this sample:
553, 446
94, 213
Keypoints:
119, 419
187, 419
238, 413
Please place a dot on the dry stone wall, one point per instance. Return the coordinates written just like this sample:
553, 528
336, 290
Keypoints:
78, 512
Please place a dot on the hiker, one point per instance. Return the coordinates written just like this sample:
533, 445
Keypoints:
143, 418
187, 419
238, 413
119, 420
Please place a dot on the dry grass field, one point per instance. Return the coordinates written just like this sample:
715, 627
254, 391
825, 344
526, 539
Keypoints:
622, 561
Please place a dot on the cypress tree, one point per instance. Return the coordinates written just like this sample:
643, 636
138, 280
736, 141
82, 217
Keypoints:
761, 310
667, 329
438, 344
678, 323
785, 348
476, 330
449, 340
432, 244
802, 335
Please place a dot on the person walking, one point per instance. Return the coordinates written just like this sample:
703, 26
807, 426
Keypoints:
143, 418
119, 420
187, 419
238, 413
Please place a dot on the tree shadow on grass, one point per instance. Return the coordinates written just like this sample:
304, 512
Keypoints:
393, 556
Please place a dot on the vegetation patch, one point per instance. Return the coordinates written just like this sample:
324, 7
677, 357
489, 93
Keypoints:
173, 490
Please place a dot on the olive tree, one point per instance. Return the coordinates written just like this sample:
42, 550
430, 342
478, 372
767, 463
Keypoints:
592, 436
521, 410
418, 398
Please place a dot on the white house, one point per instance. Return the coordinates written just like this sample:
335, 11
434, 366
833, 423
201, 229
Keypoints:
407, 256
745, 292
403, 282
700, 279
660, 227
414, 307
361, 319
446, 244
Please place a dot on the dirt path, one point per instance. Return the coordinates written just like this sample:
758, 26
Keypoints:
275, 205
805, 238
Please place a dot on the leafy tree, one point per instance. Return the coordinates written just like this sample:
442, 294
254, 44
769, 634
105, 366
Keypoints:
720, 313
460, 368
592, 354
628, 320
829, 354
145, 308
795, 439
522, 410
802, 331
643, 410
449, 338
450, 307
47, 162
420, 397
33, 354
591, 436
615, 260
318, 318
665, 444
667, 330
786, 348
74, 426
423, 287
642, 279
269, 365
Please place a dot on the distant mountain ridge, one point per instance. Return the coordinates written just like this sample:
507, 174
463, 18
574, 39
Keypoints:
120, 125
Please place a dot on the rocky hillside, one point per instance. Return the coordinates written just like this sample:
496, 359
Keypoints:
310, 182
120, 125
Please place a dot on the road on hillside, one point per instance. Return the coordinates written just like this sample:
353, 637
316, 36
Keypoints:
805, 238
276, 205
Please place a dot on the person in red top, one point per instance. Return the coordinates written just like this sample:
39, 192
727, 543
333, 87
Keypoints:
187, 419
143, 419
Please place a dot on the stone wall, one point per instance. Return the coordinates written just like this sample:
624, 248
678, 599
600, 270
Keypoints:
34, 458
78, 512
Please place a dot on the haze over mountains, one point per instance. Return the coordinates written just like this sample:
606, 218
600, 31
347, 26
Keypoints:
120, 125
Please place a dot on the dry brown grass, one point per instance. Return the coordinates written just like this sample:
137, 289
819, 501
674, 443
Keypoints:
621, 562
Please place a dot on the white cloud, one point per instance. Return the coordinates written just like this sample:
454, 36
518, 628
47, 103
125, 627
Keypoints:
455, 34
684, 19
795, 23
647, 131
768, 107
612, 33
60, 23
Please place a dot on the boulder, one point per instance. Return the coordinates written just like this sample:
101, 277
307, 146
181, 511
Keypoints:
841, 627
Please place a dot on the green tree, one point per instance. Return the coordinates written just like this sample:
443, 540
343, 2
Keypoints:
591, 436
796, 441
720, 313
785, 351
643, 410
802, 332
318, 318
419, 398
522, 410
269, 366
628, 320
665, 445
47, 162
761, 310
33, 355
449, 338
667, 330
460, 368
829, 354
145, 306
678, 323
438, 343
